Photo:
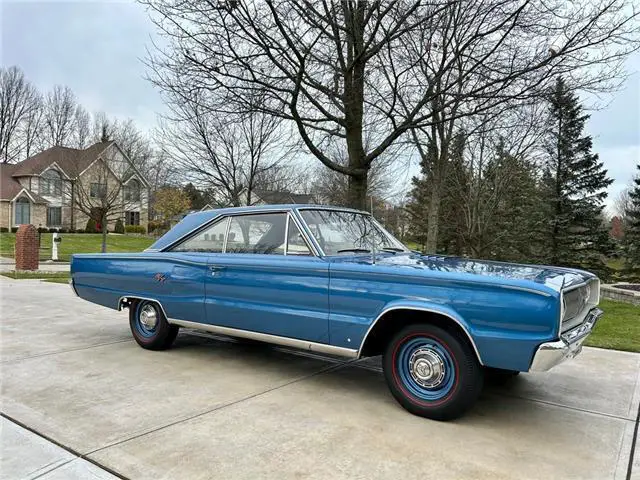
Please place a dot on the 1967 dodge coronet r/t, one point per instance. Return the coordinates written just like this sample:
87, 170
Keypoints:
334, 281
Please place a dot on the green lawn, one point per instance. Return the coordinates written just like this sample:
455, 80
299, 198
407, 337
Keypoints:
56, 277
619, 327
78, 243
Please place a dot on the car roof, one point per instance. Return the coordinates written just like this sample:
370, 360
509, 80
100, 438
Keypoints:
282, 206
195, 220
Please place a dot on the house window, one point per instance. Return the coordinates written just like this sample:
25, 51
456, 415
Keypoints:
132, 218
132, 191
22, 211
54, 216
98, 190
51, 183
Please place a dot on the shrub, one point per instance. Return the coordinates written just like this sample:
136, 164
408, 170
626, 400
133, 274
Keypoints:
91, 226
119, 228
43, 230
14, 229
4, 229
62, 230
157, 225
135, 229
54, 230
80, 230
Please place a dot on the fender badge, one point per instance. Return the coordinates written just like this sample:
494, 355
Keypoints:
160, 277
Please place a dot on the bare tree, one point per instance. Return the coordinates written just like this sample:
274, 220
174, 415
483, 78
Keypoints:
133, 142
342, 72
226, 154
81, 131
622, 204
19, 101
59, 109
100, 196
30, 130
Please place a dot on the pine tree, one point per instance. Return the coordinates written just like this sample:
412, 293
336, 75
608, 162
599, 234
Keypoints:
575, 185
419, 198
512, 201
632, 232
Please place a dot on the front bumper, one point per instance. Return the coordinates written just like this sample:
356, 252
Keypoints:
550, 354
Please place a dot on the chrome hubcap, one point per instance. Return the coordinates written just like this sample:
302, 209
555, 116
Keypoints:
426, 367
148, 317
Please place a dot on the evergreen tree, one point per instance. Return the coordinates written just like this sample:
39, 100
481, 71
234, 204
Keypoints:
417, 206
196, 198
455, 191
511, 198
632, 231
575, 185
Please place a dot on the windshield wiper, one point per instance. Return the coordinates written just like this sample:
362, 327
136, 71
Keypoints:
354, 250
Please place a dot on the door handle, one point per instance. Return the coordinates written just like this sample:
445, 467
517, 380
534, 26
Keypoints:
216, 269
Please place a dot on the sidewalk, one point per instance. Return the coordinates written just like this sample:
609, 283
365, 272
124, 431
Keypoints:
27, 455
8, 264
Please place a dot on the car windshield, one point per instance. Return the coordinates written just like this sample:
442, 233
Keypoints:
341, 232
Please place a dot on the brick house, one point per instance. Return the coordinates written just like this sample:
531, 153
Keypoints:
44, 190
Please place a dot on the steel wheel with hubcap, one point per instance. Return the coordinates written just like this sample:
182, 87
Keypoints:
149, 326
431, 372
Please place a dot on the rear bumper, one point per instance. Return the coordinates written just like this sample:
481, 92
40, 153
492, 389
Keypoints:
550, 354
73, 287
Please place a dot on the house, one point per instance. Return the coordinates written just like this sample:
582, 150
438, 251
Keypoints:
49, 189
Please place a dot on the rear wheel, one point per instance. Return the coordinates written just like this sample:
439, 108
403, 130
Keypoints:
149, 326
431, 372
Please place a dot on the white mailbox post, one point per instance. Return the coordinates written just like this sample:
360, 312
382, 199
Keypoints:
54, 246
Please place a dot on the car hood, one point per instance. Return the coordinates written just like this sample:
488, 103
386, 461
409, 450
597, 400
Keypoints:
556, 278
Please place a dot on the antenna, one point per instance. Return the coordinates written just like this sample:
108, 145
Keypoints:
373, 236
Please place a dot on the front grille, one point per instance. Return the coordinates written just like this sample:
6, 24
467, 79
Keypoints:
578, 301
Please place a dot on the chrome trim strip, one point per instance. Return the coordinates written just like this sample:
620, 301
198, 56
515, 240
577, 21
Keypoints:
286, 234
226, 235
305, 231
550, 354
420, 309
265, 337
305, 236
524, 289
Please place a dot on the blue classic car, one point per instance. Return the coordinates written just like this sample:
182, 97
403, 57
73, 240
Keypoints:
334, 281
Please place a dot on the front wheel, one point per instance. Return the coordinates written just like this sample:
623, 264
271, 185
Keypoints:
149, 326
431, 372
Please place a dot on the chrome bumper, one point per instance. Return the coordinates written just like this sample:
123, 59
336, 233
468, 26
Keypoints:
550, 354
73, 287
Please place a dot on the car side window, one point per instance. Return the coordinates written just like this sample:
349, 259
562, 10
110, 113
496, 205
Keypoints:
260, 233
210, 240
296, 244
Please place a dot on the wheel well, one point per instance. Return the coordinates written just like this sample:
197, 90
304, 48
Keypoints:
393, 321
128, 301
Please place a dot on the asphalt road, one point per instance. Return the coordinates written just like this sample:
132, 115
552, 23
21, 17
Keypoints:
81, 400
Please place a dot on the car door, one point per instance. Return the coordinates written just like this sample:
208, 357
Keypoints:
267, 280
181, 277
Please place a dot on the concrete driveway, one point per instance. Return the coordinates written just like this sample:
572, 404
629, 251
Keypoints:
214, 408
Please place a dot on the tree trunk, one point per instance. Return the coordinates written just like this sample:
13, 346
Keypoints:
433, 217
103, 226
357, 192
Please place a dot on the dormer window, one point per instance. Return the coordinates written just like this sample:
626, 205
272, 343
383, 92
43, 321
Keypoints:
132, 191
51, 183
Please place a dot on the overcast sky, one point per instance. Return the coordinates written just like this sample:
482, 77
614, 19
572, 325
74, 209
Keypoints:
96, 48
